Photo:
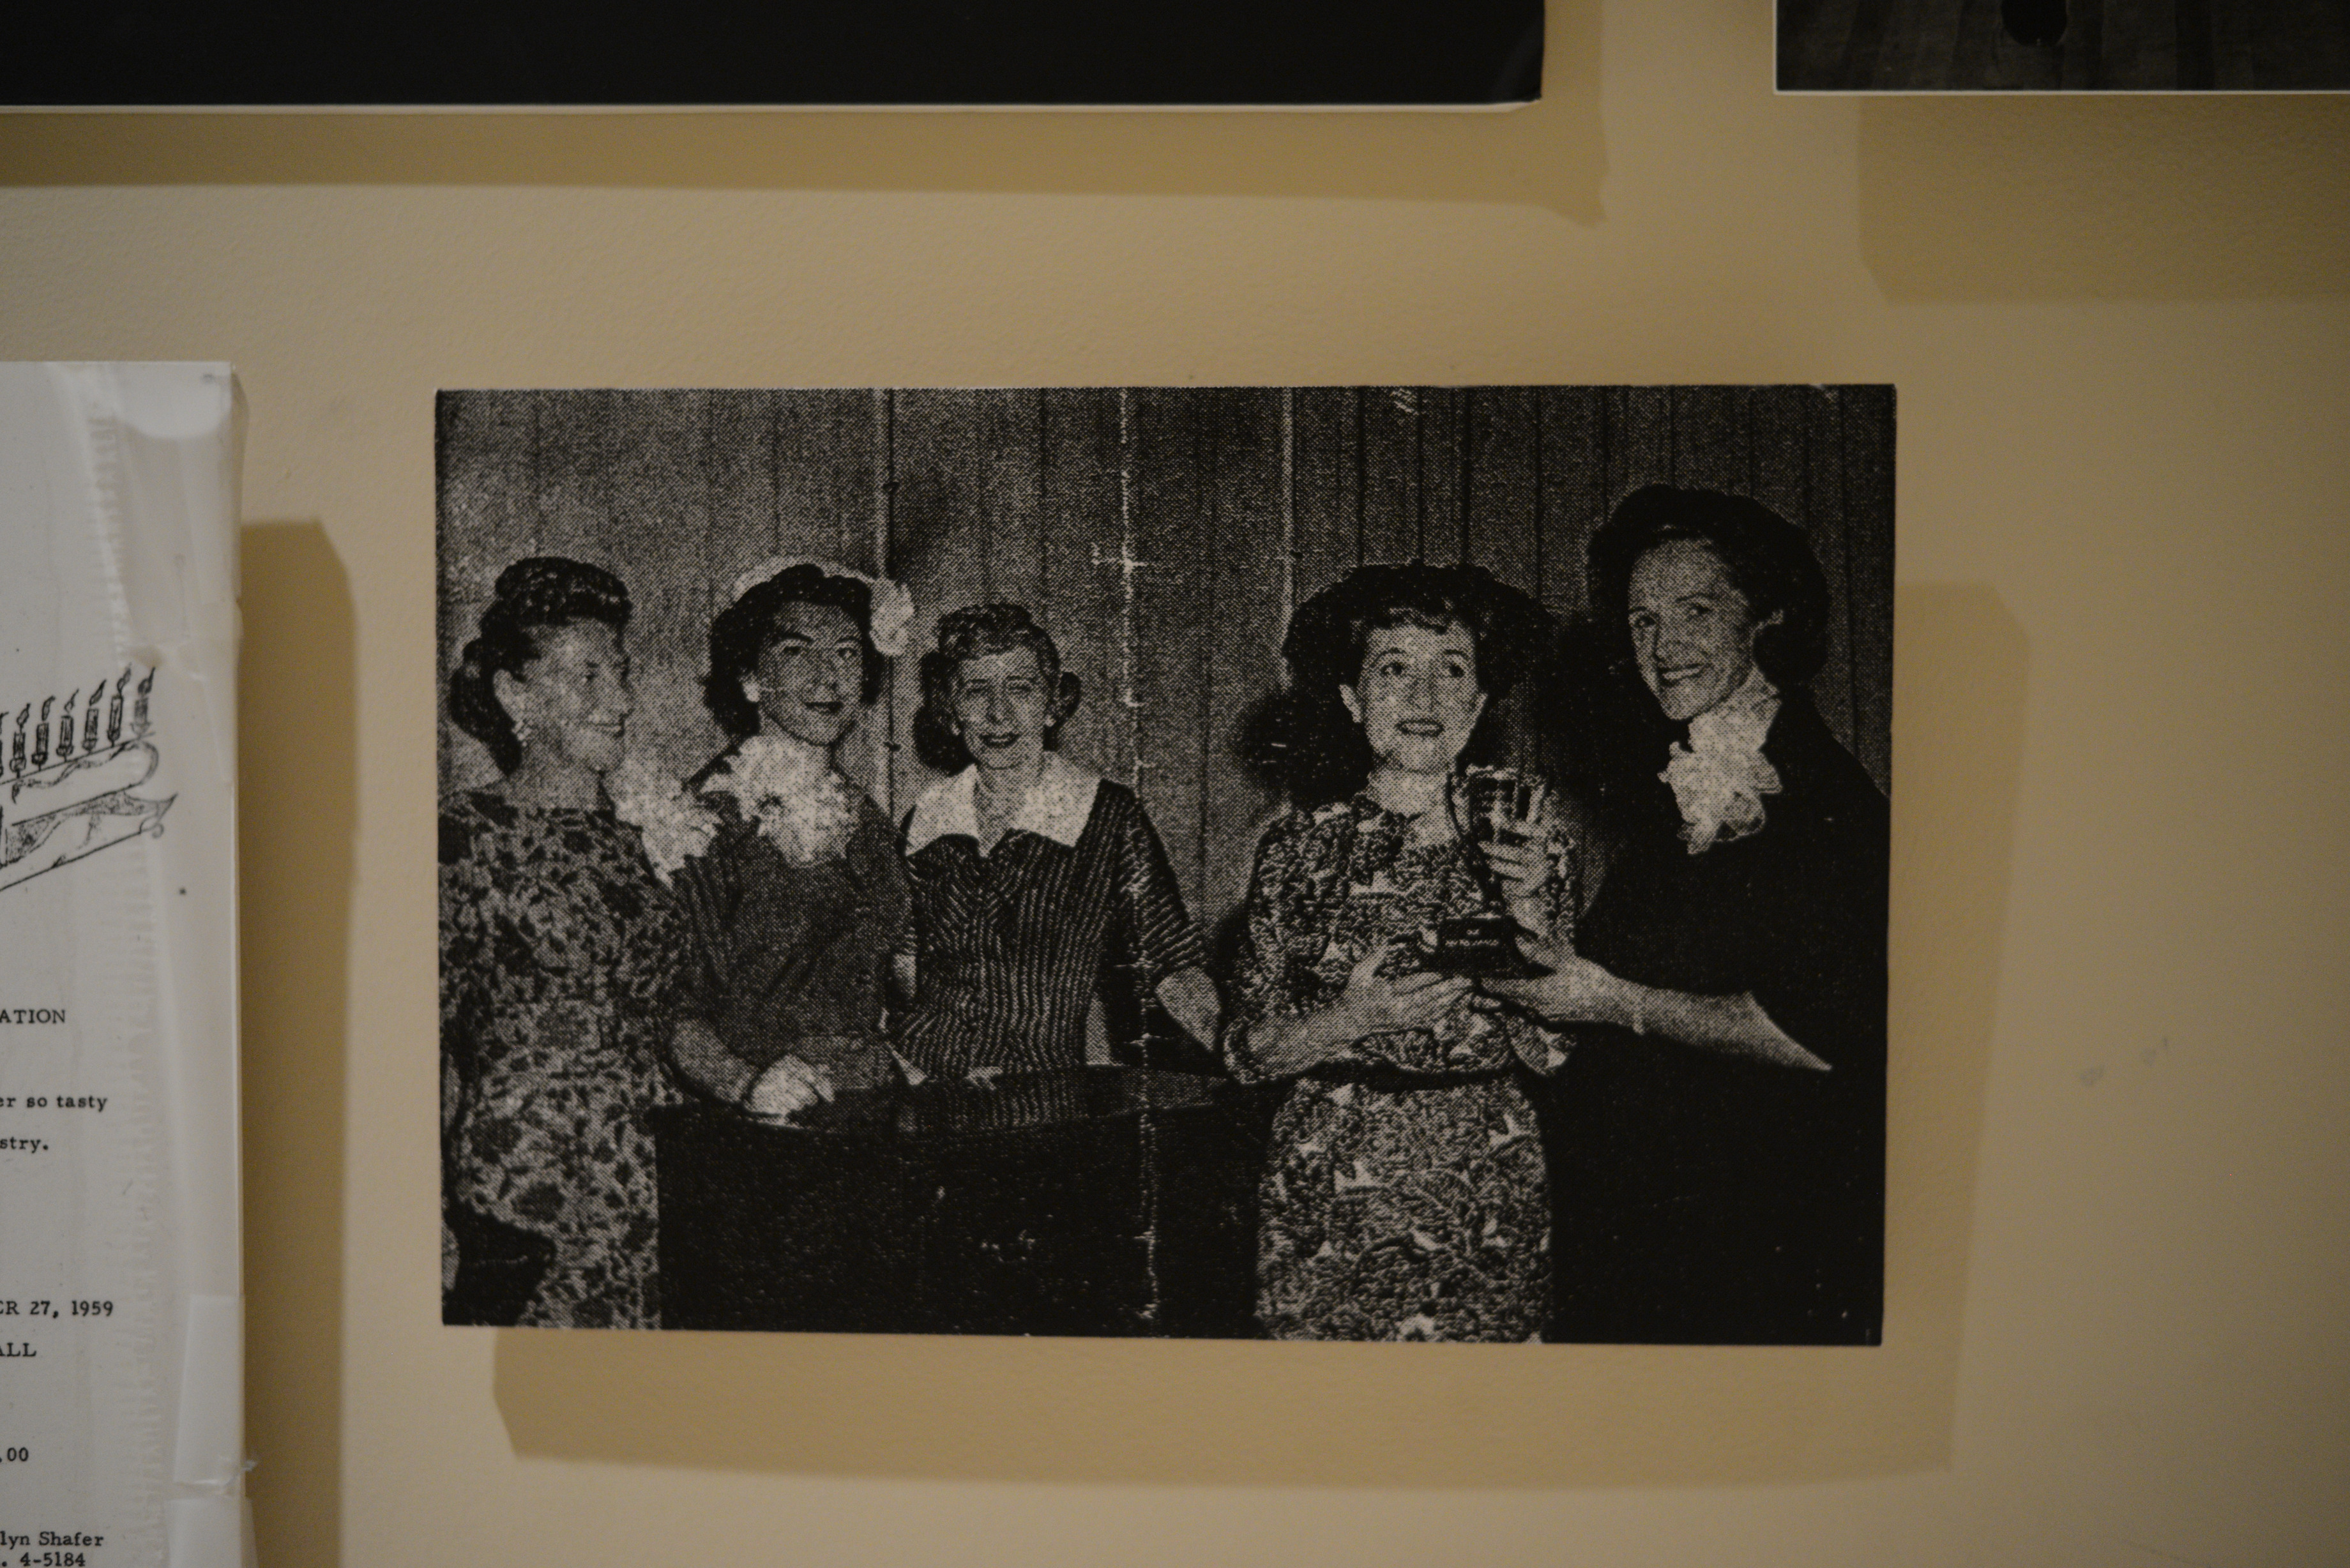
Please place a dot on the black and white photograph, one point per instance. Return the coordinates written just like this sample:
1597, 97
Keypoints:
731, 54
1358, 863
2063, 45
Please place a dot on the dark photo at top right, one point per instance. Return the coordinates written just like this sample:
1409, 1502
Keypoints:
2063, 45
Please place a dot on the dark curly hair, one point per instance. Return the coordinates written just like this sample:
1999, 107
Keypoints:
744, 629
535, 595
973, 632
1767, 559
1307, 742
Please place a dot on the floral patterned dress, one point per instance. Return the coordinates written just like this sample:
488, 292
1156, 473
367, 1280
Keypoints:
1403, 1196
559, 952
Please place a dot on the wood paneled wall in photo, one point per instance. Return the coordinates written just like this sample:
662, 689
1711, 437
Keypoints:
1162, 534
677, 493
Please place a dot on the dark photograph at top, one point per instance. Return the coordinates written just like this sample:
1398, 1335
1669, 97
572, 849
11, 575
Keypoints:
2063, 45
1361, 863
708, 53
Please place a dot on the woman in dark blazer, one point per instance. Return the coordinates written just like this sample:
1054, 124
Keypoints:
1717, 1127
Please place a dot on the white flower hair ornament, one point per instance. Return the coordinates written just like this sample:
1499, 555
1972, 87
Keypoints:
674, 826
893, 606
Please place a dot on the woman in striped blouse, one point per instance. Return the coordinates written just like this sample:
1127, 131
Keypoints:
1029, 872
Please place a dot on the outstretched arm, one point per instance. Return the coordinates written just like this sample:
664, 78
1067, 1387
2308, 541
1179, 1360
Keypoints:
1577, 991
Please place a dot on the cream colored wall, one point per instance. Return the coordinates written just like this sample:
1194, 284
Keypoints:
2118, 1305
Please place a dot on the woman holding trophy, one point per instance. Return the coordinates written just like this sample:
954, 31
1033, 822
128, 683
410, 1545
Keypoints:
1403, 1195
1722, 1119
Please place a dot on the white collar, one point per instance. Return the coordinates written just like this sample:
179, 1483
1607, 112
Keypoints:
1057, 807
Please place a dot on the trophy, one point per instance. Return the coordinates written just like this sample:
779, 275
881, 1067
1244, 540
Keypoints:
1500, 806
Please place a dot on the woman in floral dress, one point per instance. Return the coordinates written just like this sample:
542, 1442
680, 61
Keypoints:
1404, 1188
798, 902
558, 949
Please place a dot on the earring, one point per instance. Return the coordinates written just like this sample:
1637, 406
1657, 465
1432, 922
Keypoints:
751, 690
522, 731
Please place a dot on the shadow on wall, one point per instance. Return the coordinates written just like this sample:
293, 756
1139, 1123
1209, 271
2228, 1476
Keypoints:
1201, 1411
1550, 153
2105, 197
296, 821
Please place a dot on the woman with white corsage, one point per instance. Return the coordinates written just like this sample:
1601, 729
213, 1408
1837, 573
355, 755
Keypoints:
798, 899
1718, 1137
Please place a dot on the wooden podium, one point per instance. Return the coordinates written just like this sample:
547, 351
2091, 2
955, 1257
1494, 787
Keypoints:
1110, 1200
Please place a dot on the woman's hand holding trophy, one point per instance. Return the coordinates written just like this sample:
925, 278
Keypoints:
1509, 820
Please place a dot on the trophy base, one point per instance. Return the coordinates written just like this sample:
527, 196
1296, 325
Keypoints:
1479, 946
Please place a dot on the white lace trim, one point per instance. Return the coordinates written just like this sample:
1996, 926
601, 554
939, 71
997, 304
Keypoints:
803, 806
673, 825
1719, 778
1057, 806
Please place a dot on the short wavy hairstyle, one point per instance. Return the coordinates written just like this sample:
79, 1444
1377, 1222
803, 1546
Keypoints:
973, 632
1306, 739
1767, 559
537, 594
747, 627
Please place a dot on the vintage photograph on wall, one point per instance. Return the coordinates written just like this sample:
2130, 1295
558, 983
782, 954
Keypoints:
2063, 45
734, 52
1396, 862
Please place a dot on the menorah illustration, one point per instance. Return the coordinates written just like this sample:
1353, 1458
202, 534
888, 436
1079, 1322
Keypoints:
66, 789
